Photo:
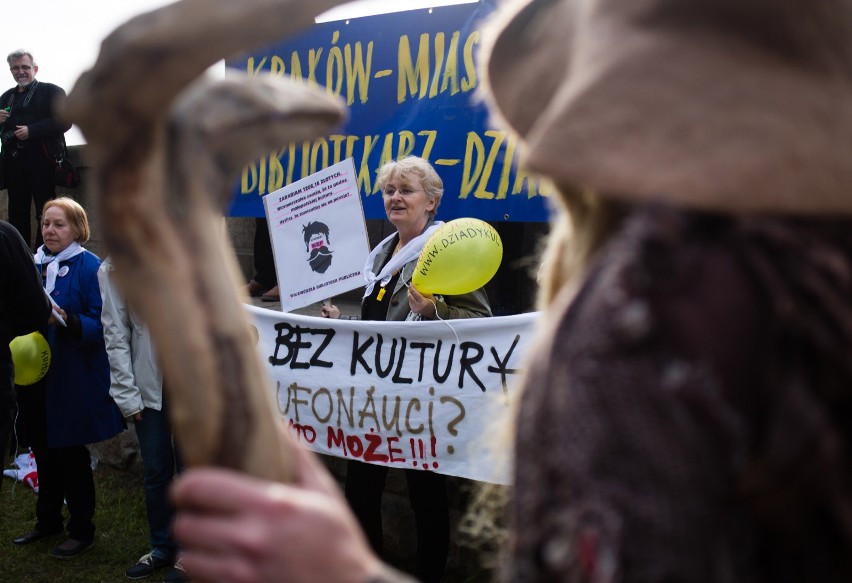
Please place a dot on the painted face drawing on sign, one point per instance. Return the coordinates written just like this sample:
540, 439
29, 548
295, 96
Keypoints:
317, 246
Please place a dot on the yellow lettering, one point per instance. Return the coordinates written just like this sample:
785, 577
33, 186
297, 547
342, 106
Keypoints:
277, 66
474, 150
291, 162
431, 136
334, 67
306, 158
350, 145
503, 186
497, 138
357, 73
387, 150
319, 155
412, 75
469, 82
488, 158
261, 179
336, 143
276, 172
406, 144
365, 175
439, 63
477, 172
451, 70
545, 187
249, 178
295, 66
314, 56
253, 68
522, 177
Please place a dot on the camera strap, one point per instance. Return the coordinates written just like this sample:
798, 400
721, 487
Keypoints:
11, 105
30, 92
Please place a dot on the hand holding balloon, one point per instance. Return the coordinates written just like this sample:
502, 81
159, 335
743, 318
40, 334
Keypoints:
30, 357
422, 303
461, 256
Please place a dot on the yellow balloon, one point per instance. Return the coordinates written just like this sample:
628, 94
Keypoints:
31, 358
460, 257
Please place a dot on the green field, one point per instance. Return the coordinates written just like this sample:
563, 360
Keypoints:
121, 537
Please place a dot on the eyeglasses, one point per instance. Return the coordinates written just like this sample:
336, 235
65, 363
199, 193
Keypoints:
20, 68
390, 190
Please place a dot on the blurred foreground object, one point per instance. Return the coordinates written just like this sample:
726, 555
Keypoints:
164, 159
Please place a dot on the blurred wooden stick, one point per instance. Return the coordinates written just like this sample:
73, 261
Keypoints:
164, 158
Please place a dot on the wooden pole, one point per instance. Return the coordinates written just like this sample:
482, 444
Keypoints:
165, 155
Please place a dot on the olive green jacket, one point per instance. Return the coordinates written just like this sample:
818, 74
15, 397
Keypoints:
470, 305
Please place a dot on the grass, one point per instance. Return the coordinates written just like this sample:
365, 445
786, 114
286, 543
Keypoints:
120, 539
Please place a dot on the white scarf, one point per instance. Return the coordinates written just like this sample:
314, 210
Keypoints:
410, 251
41, 257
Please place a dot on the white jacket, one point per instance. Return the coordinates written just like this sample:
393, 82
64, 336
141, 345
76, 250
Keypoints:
135, 378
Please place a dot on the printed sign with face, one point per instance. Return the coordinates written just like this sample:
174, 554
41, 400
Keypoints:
319, 236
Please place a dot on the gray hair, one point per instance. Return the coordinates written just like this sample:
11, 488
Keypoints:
433, 186
20, 53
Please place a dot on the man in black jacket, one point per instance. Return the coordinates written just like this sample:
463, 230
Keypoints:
32, 138
23, 309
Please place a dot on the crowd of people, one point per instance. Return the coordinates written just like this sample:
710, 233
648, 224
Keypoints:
102, 373
103, 370
682, 413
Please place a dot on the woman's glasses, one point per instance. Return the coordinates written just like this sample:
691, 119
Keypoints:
389, 191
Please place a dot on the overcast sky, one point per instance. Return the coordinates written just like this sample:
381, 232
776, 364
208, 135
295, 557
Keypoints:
65, 35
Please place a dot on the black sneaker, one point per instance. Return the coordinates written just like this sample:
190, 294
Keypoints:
176, 574
146, 565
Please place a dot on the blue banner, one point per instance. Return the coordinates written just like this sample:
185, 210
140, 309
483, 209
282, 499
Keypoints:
410, 80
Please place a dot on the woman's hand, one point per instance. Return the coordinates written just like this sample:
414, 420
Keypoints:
329, 311
423, 304
52, 319
233, 527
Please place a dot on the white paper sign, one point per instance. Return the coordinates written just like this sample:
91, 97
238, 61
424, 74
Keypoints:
413, 395
319, 236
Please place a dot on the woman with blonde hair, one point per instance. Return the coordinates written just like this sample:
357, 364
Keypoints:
71, 406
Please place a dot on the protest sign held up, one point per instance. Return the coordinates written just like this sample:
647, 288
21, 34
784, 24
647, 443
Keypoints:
319, 236
425, 396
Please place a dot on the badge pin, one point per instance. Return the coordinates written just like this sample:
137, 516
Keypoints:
63, 271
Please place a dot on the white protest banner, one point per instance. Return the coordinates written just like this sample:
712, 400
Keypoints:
421, 395
319, 236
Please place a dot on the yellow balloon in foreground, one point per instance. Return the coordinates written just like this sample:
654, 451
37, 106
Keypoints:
460, 257
31, 357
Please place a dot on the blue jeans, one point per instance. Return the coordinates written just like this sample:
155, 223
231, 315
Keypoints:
160, 461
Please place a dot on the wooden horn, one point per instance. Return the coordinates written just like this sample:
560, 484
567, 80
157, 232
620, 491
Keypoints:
165, 153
